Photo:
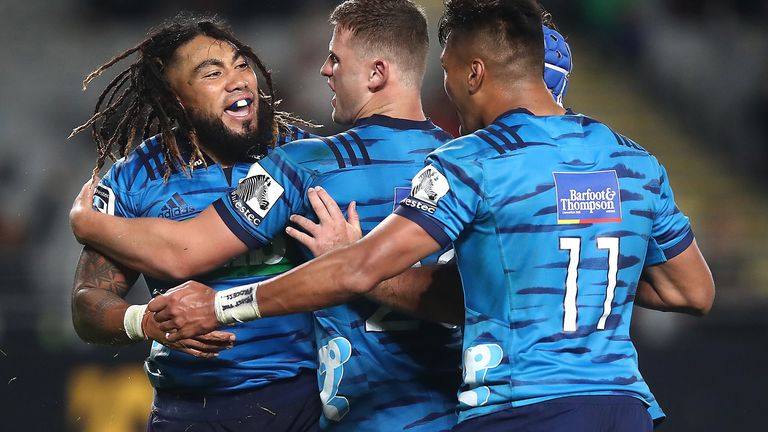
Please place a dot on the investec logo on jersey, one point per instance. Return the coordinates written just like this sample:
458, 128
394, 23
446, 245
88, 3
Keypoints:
427, 187
256, 194
175, 208
104, 200
591, 197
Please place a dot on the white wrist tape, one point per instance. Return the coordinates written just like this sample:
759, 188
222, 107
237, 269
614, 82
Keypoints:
132, 322
237, 304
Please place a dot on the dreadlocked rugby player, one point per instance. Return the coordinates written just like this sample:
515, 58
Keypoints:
193, 97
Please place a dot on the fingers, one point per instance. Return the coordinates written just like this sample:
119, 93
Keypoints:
353, 218
218, 338
318, 205
157, 304
306, 224
330, 205
301, 237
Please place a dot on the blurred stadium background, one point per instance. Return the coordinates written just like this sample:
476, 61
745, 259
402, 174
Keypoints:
687, 79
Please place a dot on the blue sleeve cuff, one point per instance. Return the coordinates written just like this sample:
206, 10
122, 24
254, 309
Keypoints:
239, 232
432, 227
680, 246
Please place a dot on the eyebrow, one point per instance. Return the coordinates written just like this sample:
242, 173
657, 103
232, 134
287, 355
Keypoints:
215, 62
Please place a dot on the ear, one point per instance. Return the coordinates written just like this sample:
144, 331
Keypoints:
379, 75
476, 76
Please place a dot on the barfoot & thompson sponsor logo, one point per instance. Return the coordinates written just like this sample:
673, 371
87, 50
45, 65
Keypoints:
591, 197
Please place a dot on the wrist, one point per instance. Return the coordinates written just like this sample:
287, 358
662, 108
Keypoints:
237, 304
133, 322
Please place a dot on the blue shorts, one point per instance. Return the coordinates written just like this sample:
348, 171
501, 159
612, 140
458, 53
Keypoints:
568, 414
291, 405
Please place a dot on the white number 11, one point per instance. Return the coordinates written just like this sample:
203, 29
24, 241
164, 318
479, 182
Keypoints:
573, 245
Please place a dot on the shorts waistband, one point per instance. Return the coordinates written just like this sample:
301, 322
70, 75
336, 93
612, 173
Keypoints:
211, 407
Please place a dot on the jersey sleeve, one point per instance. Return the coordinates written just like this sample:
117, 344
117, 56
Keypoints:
261, 205
671, 233
445, 197
112, 198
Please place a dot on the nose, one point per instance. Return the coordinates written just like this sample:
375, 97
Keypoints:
238, 84
326, 69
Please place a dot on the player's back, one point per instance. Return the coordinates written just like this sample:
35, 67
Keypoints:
266, 350
564, 209
379, 370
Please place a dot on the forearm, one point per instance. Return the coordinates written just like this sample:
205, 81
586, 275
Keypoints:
432, 293
98, 307
158, 247
336, 277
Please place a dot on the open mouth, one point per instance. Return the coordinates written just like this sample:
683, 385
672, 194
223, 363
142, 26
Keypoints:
240, 108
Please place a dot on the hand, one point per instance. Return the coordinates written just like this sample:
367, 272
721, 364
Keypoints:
333, 231
185, 311
205, 346
81, 208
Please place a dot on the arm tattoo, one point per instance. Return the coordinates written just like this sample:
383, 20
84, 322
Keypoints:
100, 285
97, 271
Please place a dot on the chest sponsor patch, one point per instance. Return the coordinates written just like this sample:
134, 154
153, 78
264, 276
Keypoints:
256, 194
104, 200
591, 197
427, 187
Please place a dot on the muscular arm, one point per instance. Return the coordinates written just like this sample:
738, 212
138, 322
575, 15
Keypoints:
98, 309
332, 279
157, 247
682, 284
432, 293
97, 298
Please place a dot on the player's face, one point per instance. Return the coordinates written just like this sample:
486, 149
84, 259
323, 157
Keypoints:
347, 77
456, 71
214, 81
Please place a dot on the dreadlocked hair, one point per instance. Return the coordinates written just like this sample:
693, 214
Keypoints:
139, 102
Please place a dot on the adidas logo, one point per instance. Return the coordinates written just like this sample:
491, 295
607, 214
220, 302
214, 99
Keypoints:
175, 207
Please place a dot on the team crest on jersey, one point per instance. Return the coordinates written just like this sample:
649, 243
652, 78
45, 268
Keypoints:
427, 187
591, 197
256, 194
104, 200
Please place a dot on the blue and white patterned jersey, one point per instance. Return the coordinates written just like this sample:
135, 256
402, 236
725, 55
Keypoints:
265, 350
379, 370
551, 218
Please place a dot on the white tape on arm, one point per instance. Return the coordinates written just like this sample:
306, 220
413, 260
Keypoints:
237, 304
132, 322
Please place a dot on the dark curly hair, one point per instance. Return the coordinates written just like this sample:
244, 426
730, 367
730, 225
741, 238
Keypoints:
139, 103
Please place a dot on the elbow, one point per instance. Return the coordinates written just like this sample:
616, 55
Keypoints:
702, 304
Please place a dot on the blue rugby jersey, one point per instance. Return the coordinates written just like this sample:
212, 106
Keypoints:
265, 350
551, 218
379, 370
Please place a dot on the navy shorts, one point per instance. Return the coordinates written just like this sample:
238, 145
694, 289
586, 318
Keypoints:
291, 405
568, 414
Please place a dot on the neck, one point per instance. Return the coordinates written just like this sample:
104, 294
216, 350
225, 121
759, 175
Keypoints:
402, 104
206, 150
531, 95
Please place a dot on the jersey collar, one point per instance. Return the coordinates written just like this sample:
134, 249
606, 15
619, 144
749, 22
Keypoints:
394, 123
568, 111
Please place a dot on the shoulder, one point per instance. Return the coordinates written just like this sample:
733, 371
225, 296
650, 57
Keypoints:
144, 166
474, 146
292, 133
